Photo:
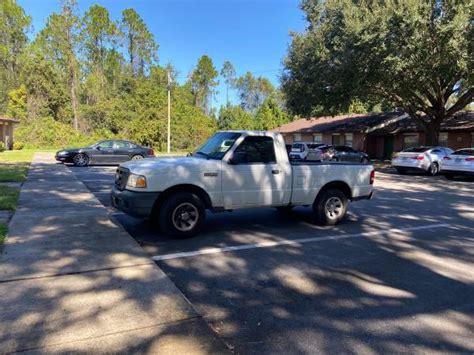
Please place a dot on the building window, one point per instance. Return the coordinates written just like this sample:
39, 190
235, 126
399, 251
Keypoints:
410, 140
337, 139
297, 137
443, 139
349, 137
318, 138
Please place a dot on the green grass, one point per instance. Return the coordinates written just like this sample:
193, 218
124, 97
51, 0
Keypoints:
14, 165
8, 197
3, 232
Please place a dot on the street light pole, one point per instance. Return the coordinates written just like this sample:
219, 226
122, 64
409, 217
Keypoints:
169, 112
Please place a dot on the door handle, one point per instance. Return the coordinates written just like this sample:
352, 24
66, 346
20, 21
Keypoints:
275, 171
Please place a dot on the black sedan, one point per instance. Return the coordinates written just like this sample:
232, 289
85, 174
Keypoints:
104, 152
346, 153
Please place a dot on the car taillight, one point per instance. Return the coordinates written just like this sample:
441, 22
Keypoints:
446, 158
470, 159
419, 157
151, 152
372, 177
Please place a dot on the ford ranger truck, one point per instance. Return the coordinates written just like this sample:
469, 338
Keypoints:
232, 170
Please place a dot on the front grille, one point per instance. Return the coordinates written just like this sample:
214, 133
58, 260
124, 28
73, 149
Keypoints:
121, 177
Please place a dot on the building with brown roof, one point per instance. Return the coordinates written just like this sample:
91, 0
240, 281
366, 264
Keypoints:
6, 131
378, 134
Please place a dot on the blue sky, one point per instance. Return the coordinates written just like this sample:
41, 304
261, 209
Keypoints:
252, 34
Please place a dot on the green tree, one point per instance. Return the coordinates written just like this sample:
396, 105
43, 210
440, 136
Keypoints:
228, 73
414, 54
98, 32
234, 117
203, 81
60, 39
14, 27
270, 115
141, 46
253, 91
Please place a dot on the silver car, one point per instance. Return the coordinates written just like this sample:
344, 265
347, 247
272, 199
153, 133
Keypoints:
459, 163
425, 159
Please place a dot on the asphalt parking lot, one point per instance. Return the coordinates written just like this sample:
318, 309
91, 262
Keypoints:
397, 275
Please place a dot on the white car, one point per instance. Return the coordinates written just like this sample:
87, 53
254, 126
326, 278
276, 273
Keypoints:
301, 150
425, 159
461, 162
232, 170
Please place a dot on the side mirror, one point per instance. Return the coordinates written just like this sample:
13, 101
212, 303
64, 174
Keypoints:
239, 158
98, 147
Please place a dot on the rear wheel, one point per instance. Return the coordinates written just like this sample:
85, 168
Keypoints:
433, 169
81, 160
182, 215
330, 207
137, 157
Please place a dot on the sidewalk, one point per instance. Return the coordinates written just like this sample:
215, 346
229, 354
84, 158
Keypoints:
73, 280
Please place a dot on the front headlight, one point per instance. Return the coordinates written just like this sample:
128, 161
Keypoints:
135, 180
62, 152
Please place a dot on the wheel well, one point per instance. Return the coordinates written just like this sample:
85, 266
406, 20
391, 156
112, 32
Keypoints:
340, 185
183, 188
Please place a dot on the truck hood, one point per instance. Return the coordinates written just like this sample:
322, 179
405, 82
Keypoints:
165, 165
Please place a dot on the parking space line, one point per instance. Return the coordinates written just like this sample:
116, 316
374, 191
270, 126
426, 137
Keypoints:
271, 244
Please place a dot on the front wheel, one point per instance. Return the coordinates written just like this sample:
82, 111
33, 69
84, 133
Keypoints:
182, 215
81, 160
330, 207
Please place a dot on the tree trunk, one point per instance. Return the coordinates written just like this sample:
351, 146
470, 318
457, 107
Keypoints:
74, 97
432, 135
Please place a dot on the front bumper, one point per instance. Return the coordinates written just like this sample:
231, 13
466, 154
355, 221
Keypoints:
137, 204
63, 158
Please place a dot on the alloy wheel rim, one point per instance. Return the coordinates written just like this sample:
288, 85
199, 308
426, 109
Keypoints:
185, 217
80, 159
137, 157
333, 207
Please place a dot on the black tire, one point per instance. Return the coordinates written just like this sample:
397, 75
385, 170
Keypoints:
401, 171
331, 199
449, 176
81, 159
137, 157
433, 169
185, 210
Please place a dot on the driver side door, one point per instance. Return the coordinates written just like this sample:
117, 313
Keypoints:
255, 178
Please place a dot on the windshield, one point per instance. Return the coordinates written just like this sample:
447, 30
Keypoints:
217, 145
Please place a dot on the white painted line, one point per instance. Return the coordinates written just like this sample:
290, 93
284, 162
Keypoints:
271, 244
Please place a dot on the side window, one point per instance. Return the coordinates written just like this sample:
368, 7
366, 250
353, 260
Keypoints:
105, 145
120, 145
258, 150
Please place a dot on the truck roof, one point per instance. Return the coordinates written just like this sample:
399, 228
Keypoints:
253, 132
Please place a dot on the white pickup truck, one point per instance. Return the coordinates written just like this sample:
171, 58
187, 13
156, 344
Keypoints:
236, 169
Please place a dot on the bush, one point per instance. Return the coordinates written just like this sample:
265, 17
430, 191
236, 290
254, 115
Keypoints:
18, 146
2, 147
48, 133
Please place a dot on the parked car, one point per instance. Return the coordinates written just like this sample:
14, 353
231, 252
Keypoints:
301, 150
458, 163
253, 172
346, 153
425, 159
104, 152
323, 152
